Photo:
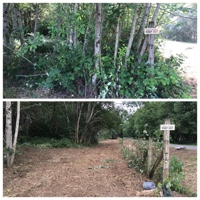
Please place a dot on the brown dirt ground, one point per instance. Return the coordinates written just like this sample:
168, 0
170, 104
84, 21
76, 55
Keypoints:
99, 171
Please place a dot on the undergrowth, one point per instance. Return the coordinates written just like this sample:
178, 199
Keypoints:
44, 142
138, 160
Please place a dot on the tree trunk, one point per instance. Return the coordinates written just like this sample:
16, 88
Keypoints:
79, 106
132, 35
156, 12
141, 31
144, 46
17, 24
97, 46
151, 47
143, 49
16, 133
87, 31
8, 132
5, 24
19, 20
30, 21
115, 56
117, 40
75, 35
36, 19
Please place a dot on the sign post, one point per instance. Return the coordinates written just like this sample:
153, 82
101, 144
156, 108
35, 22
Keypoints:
151, 31
166, 127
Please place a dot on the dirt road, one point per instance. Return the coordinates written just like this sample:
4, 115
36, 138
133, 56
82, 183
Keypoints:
98, 171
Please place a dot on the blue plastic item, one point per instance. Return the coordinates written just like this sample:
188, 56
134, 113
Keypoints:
149, 185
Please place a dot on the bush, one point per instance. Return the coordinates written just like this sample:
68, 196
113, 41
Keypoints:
44, 142
62, 143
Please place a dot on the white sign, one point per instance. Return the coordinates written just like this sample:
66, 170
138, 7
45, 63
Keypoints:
151, 31
165, 127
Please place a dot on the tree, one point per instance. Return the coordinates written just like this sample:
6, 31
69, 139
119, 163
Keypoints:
16, 133
17, 24
5, 24
132, 34
36, 19
182, 114
70, 54
8, 132
97, 46
11, 145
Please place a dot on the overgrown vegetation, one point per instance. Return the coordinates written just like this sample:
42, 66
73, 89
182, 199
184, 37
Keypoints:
137, 158
53, 46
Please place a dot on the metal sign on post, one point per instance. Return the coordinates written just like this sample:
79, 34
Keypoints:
151, 31
170, 127
166, 127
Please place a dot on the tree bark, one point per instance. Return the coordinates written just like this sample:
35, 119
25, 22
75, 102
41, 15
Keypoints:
8, 132
16, 133
87, 31
74, 31
144, 46
17, 24
132, 35
117, 40
5, 24
151, 47
115, 56
36, 19
141, 31
97, 46
79, 106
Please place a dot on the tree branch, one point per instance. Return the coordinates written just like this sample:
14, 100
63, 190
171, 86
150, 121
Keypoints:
34, 64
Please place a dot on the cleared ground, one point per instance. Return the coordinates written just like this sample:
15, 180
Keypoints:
99, 171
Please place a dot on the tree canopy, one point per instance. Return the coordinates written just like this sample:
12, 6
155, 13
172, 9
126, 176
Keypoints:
147, 120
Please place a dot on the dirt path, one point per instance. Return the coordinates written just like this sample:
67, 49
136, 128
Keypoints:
99, 171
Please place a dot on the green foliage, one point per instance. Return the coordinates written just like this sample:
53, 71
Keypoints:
176, 176
182, 114
69, 65
44, 142
9, 150
59, 120
63, 143
176, 173
182, 28
137, 158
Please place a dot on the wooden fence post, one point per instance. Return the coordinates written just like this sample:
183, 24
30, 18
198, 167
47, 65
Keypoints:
149, 157
166, 152
151, 46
